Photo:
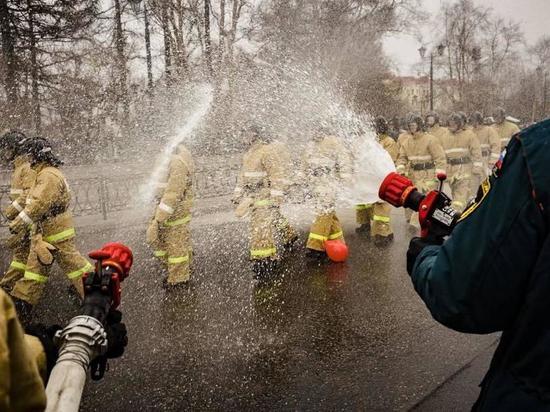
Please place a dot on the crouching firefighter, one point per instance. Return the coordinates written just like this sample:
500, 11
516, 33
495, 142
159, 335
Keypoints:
23, 177
169, 232
260, 191
47, 216
327, 166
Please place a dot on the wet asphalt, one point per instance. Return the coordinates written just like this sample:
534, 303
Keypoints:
350, 336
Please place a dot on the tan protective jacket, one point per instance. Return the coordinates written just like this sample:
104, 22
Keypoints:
489, 142
462, 145
22, 179
47, 206
328, 158
438, 131
421, 148
263, 174
505, 131
177, 198
389, 145
22, 360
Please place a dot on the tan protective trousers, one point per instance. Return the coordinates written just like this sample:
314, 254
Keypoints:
460, 181
377, 215
268, 229
31, 287
325, 227
174, 249
20, 245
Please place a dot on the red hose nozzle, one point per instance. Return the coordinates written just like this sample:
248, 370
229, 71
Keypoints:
395, 189
116, 255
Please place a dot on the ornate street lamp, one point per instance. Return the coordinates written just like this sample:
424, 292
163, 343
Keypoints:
439, 49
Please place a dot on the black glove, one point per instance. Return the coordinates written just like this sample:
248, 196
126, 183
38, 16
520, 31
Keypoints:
117, 335
416, 245
45, 335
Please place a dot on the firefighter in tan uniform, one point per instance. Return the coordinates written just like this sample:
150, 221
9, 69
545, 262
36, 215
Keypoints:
327, 166
434, 127
259, 193
504, 128
463, 160
22, 364
423, 156
168, 232
52, 230
375, 218
22, 179
489, 143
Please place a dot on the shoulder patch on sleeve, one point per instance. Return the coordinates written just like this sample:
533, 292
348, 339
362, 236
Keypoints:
484, 189
497, 168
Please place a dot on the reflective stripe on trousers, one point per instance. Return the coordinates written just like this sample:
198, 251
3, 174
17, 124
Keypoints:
178, 222
363, 207
263, 252
36, 277
78, 273
324, 238
60, 236
383, 219
174, 260
159, 253
18, 265
260, 203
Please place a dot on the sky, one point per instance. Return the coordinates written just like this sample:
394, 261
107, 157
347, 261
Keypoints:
533, 15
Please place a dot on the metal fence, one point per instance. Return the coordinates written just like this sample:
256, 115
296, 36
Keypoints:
101, 196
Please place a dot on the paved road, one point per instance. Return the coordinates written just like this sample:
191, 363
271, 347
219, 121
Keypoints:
348, 336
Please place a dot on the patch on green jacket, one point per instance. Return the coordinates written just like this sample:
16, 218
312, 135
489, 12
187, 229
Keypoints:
484, 189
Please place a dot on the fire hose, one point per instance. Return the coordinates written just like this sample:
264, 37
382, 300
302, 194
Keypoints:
83, 342
436, 216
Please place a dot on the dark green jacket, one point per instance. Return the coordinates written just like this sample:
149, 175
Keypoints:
493, 274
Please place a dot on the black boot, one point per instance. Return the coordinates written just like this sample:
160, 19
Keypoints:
316, 255
289, 246
176, 287
24, 311
264, 269
383, 241
364, 229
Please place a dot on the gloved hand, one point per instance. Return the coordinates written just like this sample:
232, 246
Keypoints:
152, 234
42, 249
46, 335
117, 335
417, 245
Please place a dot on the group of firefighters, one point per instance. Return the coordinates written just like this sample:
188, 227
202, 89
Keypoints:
43, 231
463, 149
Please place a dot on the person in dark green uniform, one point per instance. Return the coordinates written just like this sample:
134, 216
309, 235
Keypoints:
493, 274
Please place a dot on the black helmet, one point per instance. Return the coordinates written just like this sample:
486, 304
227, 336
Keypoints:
476, 118
499, 113
13, 141
381, 125
434, 115
464, 117
457, 119
40, 150
415, 118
